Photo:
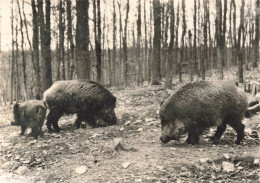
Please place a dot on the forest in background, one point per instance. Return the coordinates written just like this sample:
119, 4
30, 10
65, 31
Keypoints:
123, 43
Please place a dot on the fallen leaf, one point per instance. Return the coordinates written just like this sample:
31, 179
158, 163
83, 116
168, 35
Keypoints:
140, 130
204, 160
226, 156
256, 162
81, 170
227, 166
126, 164
21, 170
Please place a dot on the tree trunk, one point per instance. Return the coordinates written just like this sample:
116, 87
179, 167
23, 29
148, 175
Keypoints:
138, 55
256, 59
45, 43
17, 70
145, 64
98, 44
23, 53
184, 26
13, 60
114, 45
125, 46
177, 39
61, 40
150, 43
234, 48
70, 40
219, 37
204, 60
82, 40
120, 44
155, 70
195, 34
239, 47
168, 83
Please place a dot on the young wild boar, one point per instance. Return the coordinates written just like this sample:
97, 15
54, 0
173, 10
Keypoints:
200, 105
30, 114
88, 99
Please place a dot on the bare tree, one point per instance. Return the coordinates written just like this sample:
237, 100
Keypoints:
23, 52
70, 41
256, 59
140, 69
61, 41
145, 64
219, 37
45, 43
168, 83
13, 60
184, 27
155, 70
82, 40
114, 44
240, 50
125, 45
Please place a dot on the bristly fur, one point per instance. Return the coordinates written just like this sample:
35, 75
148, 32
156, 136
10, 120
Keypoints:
202, 104
88, 99
30, 114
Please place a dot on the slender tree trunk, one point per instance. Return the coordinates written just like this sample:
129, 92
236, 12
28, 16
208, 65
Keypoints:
219, 37
23, 53
13, 60
71, 42
82, 40
120, 44
98, 45
168, 83
150, 43
17, 70
155, 70
240, 50
145, 64
45, 44
195, 34
234, 48
114, 44
204, 60
184, 26
125, 68
177, 38
61, 40
256, 59
140, 69
190, 56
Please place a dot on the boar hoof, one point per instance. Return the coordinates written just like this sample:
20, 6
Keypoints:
56, 130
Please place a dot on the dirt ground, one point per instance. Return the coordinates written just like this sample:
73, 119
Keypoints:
128, 152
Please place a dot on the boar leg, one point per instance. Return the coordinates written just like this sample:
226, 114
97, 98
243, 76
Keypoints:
23, 128
193, 135
91, 120
35, 132
52, 119
237, 125
220, 130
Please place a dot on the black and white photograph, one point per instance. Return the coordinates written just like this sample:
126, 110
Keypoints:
129, 91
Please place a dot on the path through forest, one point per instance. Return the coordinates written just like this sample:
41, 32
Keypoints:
128, 152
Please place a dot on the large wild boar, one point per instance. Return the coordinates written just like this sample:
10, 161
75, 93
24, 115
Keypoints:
30, 114
88, 99
199, 105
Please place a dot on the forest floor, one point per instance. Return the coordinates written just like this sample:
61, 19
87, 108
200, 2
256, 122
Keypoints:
128, 152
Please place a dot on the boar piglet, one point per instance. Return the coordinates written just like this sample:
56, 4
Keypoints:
30, 114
